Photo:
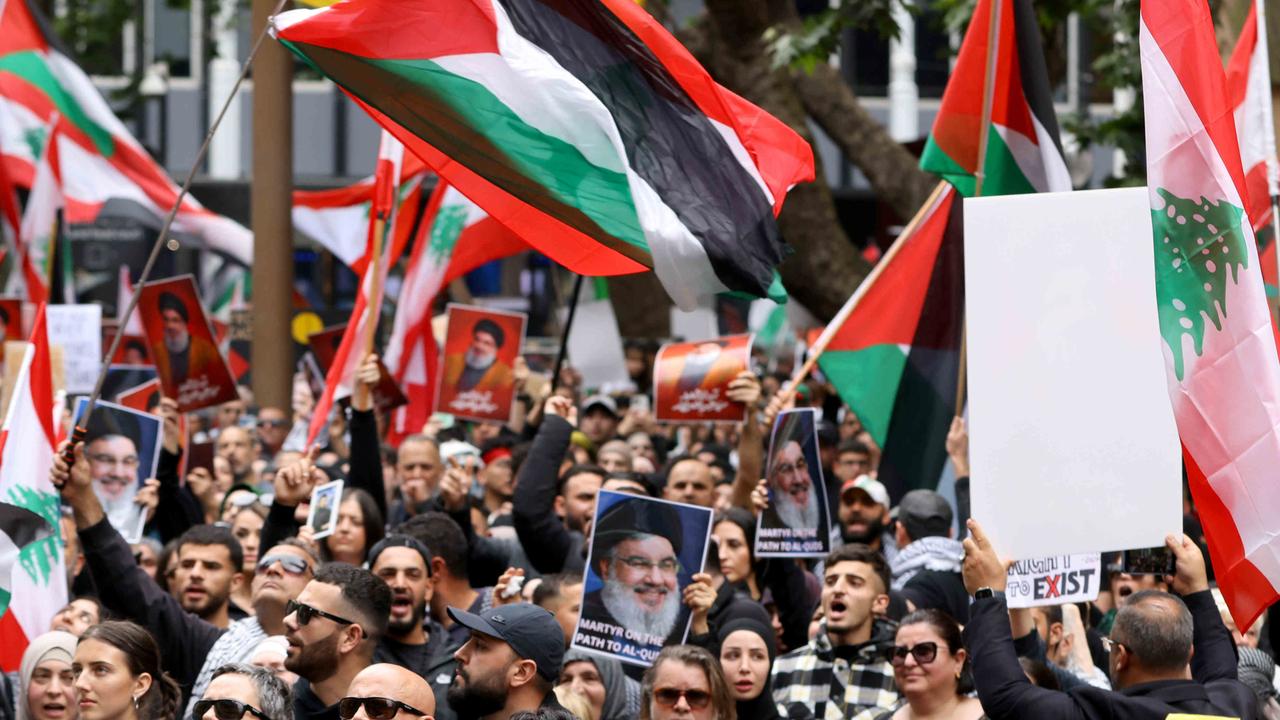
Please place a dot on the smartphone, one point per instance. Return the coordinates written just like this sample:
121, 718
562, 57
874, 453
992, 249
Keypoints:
1149, 561
640, 403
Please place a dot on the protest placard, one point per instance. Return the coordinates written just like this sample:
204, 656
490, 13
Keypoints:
477, 369
324, 348
120, 378
691, 379
122, 446
144, 397
133, 349
1054, 580
796, 523
183, 345
77, 330
1063, 334
11, 327
644, 553
322, 517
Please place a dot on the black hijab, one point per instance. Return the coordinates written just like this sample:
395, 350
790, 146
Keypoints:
762, 707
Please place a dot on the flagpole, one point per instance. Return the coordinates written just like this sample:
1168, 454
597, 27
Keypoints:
375, 285
820, 345
81, 430
980, 176
568, 324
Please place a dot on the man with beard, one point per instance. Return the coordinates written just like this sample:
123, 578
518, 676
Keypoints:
192, 648
864, 515
180, 354
206, 573
636, 555
926, 569
413, 640
236, 445
114, 460
478, 369
509, 664
333, 628
793, 502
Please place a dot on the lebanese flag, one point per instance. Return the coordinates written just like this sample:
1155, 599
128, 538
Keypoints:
33, 584
454, 238
586, 128
338, 219
346, 361
40, 219
1224, 378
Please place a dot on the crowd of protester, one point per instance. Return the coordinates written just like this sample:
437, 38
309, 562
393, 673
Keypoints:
230, 609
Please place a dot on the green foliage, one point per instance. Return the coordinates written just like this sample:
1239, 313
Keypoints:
819, 35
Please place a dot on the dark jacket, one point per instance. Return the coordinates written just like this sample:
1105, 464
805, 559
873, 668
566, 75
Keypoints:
551, 546
308, 706
1006, 692
433, 662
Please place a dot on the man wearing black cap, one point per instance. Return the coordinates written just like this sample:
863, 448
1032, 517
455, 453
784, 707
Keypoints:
927, 568
413, 639
509, 664
636, 555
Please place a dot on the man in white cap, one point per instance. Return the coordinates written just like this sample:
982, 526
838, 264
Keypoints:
864, 515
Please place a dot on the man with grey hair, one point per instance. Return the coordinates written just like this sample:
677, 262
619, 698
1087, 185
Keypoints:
237, 689
1169, 654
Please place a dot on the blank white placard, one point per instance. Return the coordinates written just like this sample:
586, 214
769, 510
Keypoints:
1073, 446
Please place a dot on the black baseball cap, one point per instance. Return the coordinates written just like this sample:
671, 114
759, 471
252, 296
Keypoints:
532, 633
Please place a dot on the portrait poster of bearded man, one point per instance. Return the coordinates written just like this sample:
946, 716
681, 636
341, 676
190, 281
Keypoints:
796, 523
183, 346
123, 449
477, 369
691, 379
644, 553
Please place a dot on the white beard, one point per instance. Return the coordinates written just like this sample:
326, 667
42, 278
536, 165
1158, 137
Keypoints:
122, 512
479, 362
795, 516
620, 601
177, 345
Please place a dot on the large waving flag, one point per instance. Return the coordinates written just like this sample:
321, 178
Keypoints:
586, 128
40, 220
1224, 378
346, 361
1023, 153
33, 579
454, 238
106, 171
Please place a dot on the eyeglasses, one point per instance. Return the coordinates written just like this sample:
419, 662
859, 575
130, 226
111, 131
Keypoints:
273, 423
226, 709
306, 614
291, 564
669, 565
129, 461
377, 708
924, 653
668, 697
1108, 644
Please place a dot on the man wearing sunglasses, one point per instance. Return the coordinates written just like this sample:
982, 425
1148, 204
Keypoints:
1170, 654
387, 692
192, 648
509, 664
333, 629
244, 692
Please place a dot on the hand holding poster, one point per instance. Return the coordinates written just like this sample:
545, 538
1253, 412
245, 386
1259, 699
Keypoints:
644, 553
123, 449
1054, 580
691, 380
191, 368
795, 524
477, 376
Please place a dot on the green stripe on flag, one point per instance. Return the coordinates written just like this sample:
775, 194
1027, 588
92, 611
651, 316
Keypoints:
4, 601
1004, 176
935, 160
867, 380
33, 68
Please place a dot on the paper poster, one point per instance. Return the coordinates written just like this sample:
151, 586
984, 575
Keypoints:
1063, 337
122, 446
796, 523
322, 518
477, 376
182, 343
644, 553
144, 397
11, 319
1054, 580
691, 380
77, 330
324, 348
133, 349
125, 377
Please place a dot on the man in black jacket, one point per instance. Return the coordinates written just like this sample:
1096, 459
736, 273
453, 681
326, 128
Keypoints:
1153, 667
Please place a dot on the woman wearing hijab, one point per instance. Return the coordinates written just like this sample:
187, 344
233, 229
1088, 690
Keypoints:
747, 651
613, 695
46, 686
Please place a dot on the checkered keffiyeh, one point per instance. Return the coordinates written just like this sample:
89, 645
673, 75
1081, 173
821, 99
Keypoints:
834, 687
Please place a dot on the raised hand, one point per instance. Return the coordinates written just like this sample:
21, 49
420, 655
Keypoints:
563, 407
982, 566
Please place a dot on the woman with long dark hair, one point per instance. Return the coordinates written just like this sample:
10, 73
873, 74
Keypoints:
118, 675
360, 527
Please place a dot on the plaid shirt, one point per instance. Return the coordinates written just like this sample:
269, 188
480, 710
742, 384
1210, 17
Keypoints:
831, 687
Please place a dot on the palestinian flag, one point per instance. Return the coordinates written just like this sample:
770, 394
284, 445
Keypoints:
338, 219
454, 238
1023, 152
586, 128
893, 350
32, 576
1224, 378
105, 171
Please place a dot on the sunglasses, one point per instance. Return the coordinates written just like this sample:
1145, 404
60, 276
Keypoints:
273, 423
226, 709
292, 564
924, 653
377, 708
306, 614
668, 697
